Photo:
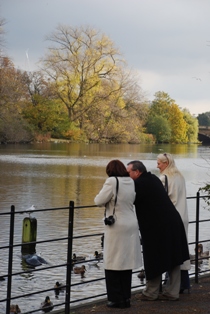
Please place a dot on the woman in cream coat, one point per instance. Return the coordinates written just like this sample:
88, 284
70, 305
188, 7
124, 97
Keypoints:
176, 189
122, 249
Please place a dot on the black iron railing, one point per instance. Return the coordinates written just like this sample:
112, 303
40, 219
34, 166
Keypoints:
68, 265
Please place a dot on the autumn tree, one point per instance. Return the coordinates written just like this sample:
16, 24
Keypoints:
161, 105
43, 111
89, 77
178, 125
192, 126
13, 128
121, 117
160, 128
78, 60
182, 127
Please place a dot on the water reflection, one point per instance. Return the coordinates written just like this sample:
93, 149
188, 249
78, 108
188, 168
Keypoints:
49, 176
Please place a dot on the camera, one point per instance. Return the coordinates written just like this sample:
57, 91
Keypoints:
109, 220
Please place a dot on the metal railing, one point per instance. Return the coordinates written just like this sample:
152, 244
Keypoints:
69, 263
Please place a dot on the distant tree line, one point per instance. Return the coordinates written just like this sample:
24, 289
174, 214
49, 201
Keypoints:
85, 92
204, 119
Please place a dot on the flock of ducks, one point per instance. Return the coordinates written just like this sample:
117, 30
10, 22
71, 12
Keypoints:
36, 260
47, 305
92, 261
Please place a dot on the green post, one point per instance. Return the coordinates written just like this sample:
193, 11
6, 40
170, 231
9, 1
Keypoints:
29, 232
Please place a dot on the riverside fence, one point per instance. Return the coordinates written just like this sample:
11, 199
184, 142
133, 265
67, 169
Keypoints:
68, 302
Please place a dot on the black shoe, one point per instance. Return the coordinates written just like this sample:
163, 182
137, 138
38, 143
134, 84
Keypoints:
120, 305
181, 291
113, 304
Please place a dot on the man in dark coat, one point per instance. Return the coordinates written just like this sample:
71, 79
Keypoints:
163, 236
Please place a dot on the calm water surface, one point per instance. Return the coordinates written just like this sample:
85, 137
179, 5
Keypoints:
49, 176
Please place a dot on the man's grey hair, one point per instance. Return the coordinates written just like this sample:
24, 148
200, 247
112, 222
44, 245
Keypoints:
137, 165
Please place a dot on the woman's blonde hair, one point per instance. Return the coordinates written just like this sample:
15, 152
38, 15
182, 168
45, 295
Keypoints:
171, 169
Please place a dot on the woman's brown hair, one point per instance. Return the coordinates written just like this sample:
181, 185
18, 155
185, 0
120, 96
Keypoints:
116, 168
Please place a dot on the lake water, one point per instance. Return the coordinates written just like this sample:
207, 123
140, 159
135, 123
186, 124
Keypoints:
49, 176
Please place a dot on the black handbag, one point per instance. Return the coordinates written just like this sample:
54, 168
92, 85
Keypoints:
111, 220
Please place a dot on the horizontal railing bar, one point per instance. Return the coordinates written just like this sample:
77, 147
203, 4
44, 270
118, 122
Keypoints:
28, 294
200, 241
35, 270
38, 310
141, 285
45, 209
85, 282
34, 242
34, 210
41, 269
87, 235
76, 207
51, 240
203, 220
194, 197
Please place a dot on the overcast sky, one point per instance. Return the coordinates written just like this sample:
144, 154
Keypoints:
167, 42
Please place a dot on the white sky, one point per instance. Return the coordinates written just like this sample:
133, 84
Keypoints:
167, 42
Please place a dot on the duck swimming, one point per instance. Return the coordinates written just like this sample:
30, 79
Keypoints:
98, 255
47, 305
80, 270
78, 259
14, 309
58, 288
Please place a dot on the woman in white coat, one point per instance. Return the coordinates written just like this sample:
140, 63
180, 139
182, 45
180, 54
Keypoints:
122, 249
175, 186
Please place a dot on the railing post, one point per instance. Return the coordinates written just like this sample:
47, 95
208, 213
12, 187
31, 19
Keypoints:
197, 235
11, 240
69, 257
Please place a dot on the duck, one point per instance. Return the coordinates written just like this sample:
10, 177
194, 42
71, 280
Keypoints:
202, 253
58, 288
98, 255
80, 270
47, 305
78, 259
14, 309
141, 275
